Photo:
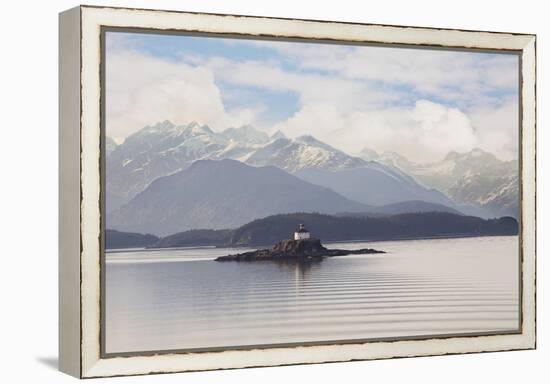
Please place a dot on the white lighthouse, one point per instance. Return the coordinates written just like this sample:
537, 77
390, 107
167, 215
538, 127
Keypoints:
302, 233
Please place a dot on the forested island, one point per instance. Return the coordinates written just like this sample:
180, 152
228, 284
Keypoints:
330, 228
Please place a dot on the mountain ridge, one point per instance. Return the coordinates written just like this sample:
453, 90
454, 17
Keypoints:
221, 194
164, 148
474, 183
275, 228
476, 178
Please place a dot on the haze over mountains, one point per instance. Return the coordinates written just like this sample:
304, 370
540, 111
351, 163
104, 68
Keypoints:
156, 183
374, 184
165, 148
223, 194
476, 178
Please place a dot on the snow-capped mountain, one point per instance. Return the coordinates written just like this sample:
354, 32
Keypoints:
165, 148
302, 153
223, 194
277, 135
156, 151
245, 134
368, 154
475, 178
497, 194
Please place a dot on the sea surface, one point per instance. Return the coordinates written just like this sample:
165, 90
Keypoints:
182, 299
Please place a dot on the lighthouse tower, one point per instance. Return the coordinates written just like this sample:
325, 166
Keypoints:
302, 233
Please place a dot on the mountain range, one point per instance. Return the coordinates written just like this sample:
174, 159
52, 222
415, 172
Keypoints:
164, 149
217, 194
374, 184
474, 179
168, 178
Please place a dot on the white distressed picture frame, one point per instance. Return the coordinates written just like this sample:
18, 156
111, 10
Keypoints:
80, 188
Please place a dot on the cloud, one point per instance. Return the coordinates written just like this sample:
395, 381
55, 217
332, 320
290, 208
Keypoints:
310, 87
498, 128
463, 77
142, 90
422, 133
419, 103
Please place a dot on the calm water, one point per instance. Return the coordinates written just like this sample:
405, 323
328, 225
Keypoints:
179, 299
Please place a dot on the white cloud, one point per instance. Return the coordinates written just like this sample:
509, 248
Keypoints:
310, 87
495, 128
422, 133
143, 90
350, 97
458, 76
419, 103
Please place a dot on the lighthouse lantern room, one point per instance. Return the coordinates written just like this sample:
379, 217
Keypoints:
302, 233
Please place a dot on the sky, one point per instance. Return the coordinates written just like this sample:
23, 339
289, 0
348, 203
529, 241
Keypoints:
419, 103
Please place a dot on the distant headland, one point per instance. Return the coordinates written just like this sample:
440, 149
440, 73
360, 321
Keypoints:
331, 228
301, 248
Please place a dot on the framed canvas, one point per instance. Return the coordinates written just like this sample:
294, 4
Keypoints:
242, 191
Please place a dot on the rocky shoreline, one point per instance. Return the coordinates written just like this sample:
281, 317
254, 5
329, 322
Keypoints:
300, 250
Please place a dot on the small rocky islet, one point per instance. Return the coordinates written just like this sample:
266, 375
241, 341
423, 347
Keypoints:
301, 248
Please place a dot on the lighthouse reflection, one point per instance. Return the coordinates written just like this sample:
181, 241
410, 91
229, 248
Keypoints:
300, 269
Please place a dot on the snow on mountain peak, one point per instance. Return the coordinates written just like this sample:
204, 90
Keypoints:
278, 135
307, 139
161, 126
368, 154
167, 128
246, 134
310, 140
475, 153
303, 152
197, 129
